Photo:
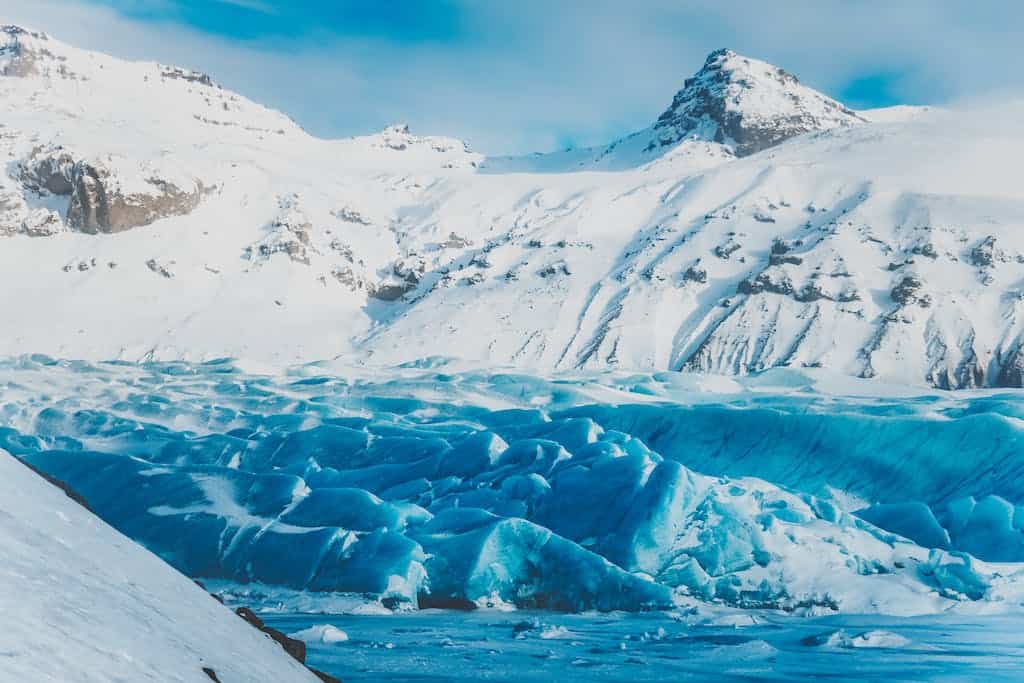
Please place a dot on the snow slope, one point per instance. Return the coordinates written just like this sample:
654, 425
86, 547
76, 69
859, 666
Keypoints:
604, 491
756, 223
83, 603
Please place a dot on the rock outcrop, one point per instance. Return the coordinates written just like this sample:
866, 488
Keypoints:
99, 198
747, 104
16, 58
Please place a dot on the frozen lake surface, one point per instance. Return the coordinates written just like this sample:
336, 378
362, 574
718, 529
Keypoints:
440, 645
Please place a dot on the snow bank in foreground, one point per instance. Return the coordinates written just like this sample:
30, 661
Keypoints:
608, 492
82, 603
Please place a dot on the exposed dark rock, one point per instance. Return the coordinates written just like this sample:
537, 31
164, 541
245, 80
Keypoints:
348, 277
407, 274
724, 251
695, 274
766, 283
325, 677
985, 254
16, 59
97, 204
848, 296
295, 648
211, 674
480, 261
780, 253
554, 269
68, 491
158, 268
906, 290
212, 595
474, 279
98, 207
780, 259
352, 216
1011, 369
388, 291
187, 75
289, 233
777, 282
968, 375
811, 292
456, 242
708, 102
42, 223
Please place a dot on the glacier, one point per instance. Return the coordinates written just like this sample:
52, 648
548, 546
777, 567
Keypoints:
439, 485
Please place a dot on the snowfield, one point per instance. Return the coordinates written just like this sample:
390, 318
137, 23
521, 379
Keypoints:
756, 223
83, 603
607, 491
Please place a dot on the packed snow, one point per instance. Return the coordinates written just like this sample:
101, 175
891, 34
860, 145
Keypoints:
756, 223
83, 603
607, 491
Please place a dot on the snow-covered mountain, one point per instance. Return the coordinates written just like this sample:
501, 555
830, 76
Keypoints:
83, 603
150, 213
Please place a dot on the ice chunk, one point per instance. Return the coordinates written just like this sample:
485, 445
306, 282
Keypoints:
867, 639
910, 520
479, 556
321, 633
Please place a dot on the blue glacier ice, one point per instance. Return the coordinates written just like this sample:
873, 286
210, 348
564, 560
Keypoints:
451, 487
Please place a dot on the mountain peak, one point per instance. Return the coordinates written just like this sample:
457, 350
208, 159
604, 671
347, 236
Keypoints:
748, 104
17, 56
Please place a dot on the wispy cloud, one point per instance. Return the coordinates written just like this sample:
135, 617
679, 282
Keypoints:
253, 5
534, 73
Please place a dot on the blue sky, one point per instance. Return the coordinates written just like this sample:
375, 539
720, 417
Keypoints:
403, 21
536, 75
